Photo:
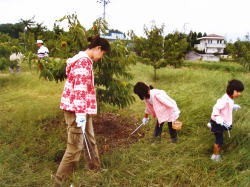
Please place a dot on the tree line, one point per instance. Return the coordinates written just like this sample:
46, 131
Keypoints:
112, 75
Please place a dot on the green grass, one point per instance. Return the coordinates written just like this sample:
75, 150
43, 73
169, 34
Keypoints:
32, 133
25, 101
223, 66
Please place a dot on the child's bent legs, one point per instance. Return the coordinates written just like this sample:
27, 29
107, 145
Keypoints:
216, 149
172, 132
218, 143
158, 129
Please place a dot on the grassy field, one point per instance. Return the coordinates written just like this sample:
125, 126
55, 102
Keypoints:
32, 135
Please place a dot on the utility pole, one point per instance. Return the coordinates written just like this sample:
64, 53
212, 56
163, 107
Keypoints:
185, 27
104, 3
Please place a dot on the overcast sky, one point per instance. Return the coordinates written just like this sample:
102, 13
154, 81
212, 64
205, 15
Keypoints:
230, 18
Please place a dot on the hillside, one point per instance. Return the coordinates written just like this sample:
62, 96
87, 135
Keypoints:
33, 134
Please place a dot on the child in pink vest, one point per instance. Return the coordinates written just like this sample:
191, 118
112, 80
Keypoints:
221, 118
159, 105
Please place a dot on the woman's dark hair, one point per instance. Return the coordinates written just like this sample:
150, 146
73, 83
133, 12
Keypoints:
98, 41
141, 89
234, 85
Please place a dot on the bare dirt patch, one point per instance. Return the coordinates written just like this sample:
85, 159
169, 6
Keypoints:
113, 130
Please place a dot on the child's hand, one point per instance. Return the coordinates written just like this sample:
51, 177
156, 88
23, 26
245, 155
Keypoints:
145, 120
236, 107
81, 121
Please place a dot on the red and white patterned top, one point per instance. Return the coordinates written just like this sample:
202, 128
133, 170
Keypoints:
79, 94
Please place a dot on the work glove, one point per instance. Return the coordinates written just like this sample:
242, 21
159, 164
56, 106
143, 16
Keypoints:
145, 120
209, 125
236, 107
81, 121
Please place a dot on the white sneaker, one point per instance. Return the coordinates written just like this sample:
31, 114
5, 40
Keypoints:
213, 157
209, 125
216, 158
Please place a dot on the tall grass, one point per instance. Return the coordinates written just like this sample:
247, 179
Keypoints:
25, 102
222, 66
30, 141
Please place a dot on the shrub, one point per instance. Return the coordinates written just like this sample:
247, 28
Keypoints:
3, 63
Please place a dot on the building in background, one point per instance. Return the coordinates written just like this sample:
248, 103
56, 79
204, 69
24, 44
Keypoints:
211, 47
115, 35
211, 44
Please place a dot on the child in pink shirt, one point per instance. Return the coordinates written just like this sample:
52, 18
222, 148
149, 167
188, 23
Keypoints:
159, 105
221, 118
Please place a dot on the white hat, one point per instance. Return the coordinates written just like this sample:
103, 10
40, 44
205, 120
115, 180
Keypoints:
39, 41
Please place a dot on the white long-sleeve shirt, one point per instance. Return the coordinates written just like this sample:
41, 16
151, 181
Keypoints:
43, 52
223, 109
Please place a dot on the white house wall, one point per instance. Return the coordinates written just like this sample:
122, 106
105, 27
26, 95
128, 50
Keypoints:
211, 45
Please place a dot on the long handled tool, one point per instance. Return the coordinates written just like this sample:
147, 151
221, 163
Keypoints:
137, 128
85, 140
86, 143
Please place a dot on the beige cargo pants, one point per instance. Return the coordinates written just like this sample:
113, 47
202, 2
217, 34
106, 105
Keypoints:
75, 145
